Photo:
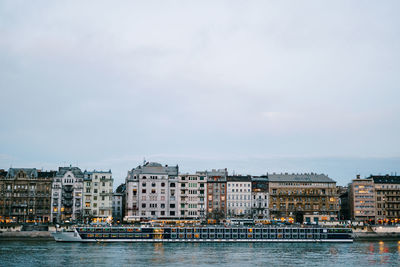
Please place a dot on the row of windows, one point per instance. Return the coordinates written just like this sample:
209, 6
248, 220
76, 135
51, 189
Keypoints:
238, 185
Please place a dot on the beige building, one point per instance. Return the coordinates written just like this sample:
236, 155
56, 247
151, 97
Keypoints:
192, 196
375, 199
305, 197
362, 200
97, 196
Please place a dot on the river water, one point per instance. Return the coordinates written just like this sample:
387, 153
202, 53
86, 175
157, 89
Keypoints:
50, 253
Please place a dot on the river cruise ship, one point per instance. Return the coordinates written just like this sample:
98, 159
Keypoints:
205, 234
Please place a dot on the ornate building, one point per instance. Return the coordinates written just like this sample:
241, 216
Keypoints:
303, 197
25, 195
260, 197
67, 197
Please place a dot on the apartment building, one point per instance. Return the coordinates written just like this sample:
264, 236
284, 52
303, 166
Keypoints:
117, 207
152, 192
387, 198
260, 197
25, 195
239, 196
193, 195
97, 196
216, 193
362, 200
307, 197
67, 195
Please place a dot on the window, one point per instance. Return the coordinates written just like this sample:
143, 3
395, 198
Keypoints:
144, 191
162, 184
143, 184
172, 206
143, 205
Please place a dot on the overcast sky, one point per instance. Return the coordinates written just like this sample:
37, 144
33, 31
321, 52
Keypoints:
254, 86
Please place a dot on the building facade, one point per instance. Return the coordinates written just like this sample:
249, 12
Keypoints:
260, 197
303, 197
67, 195
362, 200
387, 199
216, 193
193, 195
117, 207
239, 196
152, 192
25, 195
97, 196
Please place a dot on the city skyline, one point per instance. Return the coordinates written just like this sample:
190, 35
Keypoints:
253, 87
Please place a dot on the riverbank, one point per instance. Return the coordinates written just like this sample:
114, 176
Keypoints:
26, 235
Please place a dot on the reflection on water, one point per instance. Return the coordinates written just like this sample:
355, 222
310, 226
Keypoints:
18, 253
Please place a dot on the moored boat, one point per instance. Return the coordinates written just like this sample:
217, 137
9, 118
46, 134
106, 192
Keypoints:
205, 234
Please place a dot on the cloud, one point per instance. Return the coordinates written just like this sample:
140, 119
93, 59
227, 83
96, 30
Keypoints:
96, 81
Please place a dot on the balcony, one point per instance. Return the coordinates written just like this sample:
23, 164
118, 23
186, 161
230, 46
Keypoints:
19, 205
67, 203
68, 195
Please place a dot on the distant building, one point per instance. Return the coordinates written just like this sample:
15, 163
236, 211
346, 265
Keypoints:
387, 197
344, 202
216, 193
98, 192
193, 195
260, 197
117, 204
67, 195
152, 192
305, 197
362, 200
25, 195
239, 196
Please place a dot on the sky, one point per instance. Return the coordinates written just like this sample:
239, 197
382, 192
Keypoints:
253, 86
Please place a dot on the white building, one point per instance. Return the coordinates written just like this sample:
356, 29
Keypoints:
66, 198
98, 188
239, 196
152, 192
193, 190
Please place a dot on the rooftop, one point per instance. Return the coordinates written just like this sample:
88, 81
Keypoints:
385, 179
302, 177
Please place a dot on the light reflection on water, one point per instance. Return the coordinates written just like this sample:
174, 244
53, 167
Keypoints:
29, 253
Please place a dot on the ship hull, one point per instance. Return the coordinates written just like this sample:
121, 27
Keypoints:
212, 235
